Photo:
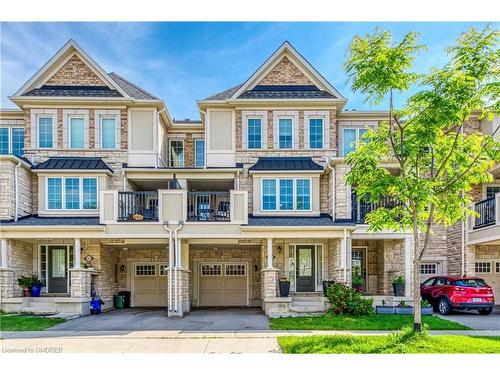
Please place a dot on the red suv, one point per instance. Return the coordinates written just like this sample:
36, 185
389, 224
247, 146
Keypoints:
447, 293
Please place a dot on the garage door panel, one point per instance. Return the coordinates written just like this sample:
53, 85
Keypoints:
150, 284
223, 290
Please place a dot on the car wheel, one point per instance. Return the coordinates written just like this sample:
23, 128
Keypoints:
444, 307
486, 311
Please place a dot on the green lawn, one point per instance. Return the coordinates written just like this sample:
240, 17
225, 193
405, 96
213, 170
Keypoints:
10, 322
395, 344
364, 322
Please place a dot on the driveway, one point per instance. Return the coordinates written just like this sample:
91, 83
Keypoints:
473, 320
216, 319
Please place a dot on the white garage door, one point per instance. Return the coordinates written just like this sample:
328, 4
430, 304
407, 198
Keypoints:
490, 272
223, 284
150, 284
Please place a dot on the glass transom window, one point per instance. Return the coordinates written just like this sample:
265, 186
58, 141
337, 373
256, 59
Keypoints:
482, 267
108, 132
428, 268
235, 270
254, 133
145, 270
211, 270
45, 139
76, 132
176, 153
285, 132
316, 133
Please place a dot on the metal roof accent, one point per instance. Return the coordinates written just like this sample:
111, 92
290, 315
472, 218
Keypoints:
74, 162
74, 91
286, 92
65, 221
294, 221
286, 164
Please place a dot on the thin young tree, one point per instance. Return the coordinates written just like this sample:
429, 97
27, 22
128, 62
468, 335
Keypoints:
439, 162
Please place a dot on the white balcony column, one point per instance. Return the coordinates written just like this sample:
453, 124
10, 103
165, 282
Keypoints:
269, 253
5, 253
77, 251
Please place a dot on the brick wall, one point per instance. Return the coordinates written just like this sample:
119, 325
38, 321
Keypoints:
75, 73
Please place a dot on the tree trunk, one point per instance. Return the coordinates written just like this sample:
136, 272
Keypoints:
417, 312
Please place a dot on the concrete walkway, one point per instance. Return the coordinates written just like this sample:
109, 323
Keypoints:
169, 341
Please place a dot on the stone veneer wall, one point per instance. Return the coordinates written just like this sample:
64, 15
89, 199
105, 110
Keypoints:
8, 193
21, 261
75, 73
237, 254
285, 73
333, 269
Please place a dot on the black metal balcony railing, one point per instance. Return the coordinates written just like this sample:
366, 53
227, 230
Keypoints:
486, 211
361, 208
138, 206
208, 206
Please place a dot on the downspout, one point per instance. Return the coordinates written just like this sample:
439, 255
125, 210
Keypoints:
177, 255
16, 191
237, 180
170, 265
345, 256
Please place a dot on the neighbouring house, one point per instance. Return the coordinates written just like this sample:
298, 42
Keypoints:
102, 191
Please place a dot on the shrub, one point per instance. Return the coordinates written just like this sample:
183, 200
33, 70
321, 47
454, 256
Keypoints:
346, 300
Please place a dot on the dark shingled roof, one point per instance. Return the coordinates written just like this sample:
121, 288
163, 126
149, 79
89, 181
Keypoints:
75, 91
285, 164
131, 89
224, 94
73, 163
294, 221
286, 92
36, 220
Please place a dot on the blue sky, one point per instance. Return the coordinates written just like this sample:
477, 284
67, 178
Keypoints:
184, 62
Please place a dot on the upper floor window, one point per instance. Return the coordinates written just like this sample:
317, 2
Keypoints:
199, 153
316, 133
491, 191
349, 138
76, 132
45, 132
254, 127
108, 132
293, 194
285, 133
176, 153
12, 141
79, 193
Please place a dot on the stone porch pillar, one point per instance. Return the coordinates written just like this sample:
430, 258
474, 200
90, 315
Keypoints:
269, 274
6, 273
80, 283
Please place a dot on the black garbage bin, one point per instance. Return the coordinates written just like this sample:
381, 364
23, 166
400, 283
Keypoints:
126, 295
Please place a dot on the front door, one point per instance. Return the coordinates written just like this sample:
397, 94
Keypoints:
305, 268
58, 272
359, 268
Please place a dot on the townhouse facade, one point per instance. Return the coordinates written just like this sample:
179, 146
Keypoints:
103, 191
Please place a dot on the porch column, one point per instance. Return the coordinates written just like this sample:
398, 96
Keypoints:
269, 253
77, 250
269, 275
6, 273
408, 247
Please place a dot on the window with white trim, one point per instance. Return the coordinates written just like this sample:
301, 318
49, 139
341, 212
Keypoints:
108, 132
176, 153
211, 270
163, 269
4, 141
286, 194
497, 267
199, 153
349, 138
428, 268
76, 132
235, 270
45, 132
285, 133
12, 141
254, 132
316, 133
145, 270
72, 193
482, 267
492, 190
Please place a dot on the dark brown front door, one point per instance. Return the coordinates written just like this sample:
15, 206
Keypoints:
305, 268
58, 269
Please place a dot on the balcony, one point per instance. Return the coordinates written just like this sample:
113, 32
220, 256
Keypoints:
208, 206
485, 228
137, 206
361, 208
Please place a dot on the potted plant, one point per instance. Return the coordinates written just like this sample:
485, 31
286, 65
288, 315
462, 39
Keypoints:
36, 286
284, 287
137, 217
426, 307
384, 309
357, 279
403, 309
398, 286
25, 282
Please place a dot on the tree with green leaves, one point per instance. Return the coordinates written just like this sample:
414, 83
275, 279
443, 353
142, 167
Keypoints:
439, 163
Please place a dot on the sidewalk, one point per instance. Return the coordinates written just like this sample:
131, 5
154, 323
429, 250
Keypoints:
169, 341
